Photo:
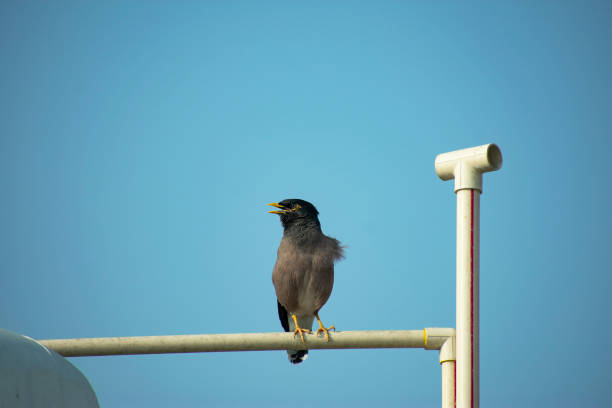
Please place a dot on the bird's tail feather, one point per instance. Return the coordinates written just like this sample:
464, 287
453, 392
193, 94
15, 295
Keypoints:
297, 356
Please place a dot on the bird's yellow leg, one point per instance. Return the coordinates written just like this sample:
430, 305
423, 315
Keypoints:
322, 328
299, 330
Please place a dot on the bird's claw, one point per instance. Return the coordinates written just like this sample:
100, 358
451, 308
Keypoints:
301, 332
326, 331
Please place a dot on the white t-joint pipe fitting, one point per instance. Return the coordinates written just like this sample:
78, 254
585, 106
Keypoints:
467, 165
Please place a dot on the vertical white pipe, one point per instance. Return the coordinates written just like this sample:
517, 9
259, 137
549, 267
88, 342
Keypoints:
468, 240
448, 384
466, 167
447, 360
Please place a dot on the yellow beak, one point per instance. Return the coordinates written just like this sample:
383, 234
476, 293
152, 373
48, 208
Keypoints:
277, 205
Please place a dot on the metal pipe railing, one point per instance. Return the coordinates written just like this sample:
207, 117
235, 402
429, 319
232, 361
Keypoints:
197, 343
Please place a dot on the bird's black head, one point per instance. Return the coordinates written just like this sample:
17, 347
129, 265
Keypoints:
294, 211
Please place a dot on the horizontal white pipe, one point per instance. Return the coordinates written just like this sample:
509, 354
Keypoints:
105, 346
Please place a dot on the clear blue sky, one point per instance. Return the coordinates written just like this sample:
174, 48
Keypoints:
141, 141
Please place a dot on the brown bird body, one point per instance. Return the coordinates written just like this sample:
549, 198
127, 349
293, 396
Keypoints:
303, 275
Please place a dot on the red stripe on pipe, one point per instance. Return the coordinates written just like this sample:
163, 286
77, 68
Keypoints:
472, 295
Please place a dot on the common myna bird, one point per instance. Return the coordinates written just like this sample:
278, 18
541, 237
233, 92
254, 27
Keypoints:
303, 275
